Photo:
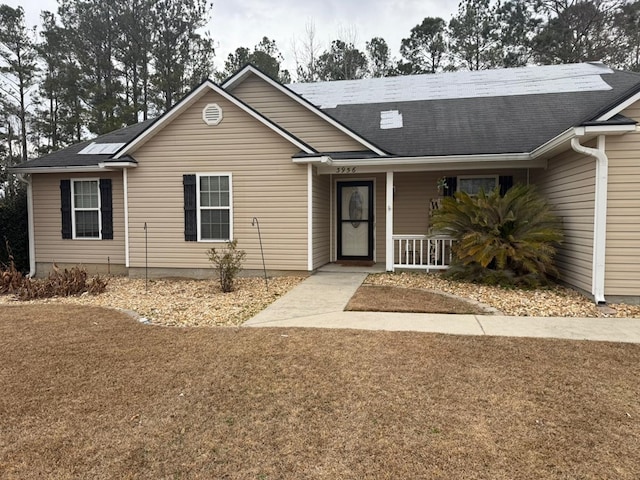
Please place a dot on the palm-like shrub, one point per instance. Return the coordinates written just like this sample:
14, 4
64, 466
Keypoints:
505, 240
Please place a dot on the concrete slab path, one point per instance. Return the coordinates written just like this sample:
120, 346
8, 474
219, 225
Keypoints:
319, 302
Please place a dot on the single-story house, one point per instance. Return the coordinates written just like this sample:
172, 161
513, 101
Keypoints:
349, 171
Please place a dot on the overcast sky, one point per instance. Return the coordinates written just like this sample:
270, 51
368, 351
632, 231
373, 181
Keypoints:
242, 23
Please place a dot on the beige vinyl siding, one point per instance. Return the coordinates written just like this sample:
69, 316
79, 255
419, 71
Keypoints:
293, 117
414, 191
622, 271
266, 185
321, 220
49, 245
569, 185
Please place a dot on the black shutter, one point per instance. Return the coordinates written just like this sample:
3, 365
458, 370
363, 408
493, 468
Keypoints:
190, 214
506, 183
65, 208
452, 186
106, 208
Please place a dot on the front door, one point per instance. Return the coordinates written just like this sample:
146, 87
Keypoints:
355, 220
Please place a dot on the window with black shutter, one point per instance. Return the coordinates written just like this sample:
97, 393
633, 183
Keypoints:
86, 206
208, 207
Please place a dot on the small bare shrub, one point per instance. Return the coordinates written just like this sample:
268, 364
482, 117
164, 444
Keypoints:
228, 263
59, 283
11, 280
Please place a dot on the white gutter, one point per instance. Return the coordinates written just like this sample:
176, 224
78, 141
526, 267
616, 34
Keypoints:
76, 169
600, 214
320, 159
30, 228
107, 165
541, 151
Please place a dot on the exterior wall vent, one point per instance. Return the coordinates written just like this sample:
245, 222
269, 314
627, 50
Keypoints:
390, 119
212, 114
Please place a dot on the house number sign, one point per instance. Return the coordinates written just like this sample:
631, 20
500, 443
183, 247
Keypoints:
345, 169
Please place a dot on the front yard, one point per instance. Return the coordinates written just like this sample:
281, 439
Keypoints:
180, 302
90, 393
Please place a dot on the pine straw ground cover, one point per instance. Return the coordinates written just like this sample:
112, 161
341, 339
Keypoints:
91, 393
554, 301
181, 302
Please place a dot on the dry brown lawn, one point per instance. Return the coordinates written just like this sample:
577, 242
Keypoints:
90, 393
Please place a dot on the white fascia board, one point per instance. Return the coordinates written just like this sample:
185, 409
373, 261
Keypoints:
189, 100
440, 160
238, 77
77, 169
619, 108
554, 143
431, 167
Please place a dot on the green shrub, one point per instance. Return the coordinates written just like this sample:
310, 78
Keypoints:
500, 240
228, 263
14, 230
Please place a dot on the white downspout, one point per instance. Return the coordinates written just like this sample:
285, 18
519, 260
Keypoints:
125, 187
30, 228
600, 214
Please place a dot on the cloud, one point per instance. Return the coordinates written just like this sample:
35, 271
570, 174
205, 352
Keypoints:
243, 23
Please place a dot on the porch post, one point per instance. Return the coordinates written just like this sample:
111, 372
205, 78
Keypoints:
389, 222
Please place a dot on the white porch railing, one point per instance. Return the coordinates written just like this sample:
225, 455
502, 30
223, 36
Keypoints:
424, 252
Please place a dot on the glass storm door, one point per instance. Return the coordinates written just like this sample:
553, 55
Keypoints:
355, 220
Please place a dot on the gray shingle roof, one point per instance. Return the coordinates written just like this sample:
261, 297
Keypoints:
487, 112
69, 157
479, 125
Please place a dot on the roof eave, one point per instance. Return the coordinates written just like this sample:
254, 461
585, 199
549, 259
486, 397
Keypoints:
619, 107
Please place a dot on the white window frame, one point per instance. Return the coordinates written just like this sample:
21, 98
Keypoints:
472, 177
199, 208
74, 209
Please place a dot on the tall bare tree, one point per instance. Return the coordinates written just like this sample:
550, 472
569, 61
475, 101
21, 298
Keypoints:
306, 53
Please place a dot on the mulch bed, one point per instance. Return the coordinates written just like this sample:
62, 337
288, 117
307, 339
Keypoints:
90, 393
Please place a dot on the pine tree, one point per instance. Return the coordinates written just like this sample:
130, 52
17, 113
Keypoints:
18, 68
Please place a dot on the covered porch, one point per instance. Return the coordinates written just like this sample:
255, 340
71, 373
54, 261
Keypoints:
391, 224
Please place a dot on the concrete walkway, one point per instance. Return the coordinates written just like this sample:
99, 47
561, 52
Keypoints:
319, 301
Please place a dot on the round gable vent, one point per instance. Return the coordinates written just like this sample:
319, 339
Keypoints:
212, 114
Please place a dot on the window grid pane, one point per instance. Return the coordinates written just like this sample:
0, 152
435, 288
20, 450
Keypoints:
472, 186
215, 211
87, 224
215, 224
86, 194
86, 206
214, 191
